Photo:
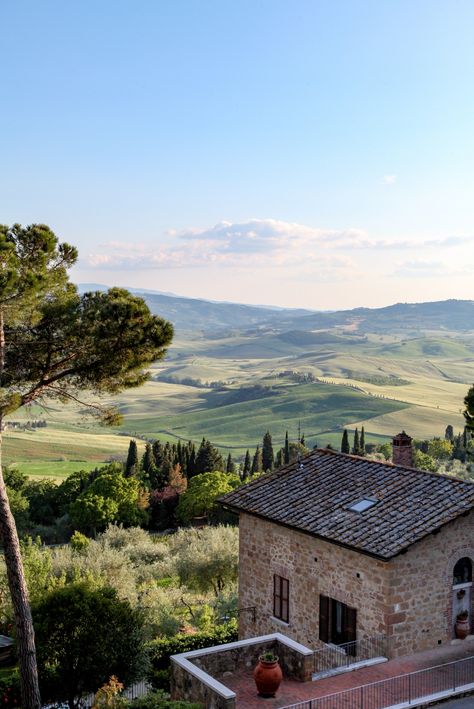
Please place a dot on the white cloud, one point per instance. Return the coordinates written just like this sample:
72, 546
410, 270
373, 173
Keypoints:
429, 269
256, 243
389, 179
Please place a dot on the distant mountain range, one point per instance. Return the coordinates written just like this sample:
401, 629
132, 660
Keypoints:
194, 314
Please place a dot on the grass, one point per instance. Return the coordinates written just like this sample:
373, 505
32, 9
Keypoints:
55, 469
355, 388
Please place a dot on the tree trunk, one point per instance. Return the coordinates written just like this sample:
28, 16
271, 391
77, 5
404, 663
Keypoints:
25, 635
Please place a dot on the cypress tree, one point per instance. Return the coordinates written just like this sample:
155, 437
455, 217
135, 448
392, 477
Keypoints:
192, 462
148, 462
356, 446
268, 459
449, 433
345, 446
131, 466
158, 453
286, 457
230, 467
362, 442
257, 463
247, 466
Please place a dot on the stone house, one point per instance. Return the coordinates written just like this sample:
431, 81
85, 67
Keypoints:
337, 548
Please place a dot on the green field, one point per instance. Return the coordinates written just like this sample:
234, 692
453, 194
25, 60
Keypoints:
233, 388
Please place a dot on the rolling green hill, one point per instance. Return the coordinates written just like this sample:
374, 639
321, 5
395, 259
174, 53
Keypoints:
232, 378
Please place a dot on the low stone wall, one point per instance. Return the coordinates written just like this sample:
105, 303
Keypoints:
200, 675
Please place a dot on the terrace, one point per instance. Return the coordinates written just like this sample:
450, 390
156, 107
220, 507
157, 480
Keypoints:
221, 677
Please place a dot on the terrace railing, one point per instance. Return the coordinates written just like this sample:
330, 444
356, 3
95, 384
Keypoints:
334, 657
403, 691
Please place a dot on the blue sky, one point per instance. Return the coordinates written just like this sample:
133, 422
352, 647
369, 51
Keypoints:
318, 154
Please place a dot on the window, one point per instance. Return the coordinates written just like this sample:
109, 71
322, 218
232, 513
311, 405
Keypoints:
281, 594
462, 571
364, 504
337, 623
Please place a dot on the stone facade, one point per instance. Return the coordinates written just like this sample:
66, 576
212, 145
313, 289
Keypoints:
409, 598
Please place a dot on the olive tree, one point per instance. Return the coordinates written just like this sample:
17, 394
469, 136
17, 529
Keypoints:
55, 344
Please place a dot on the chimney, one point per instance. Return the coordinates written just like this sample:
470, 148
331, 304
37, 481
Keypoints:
402, 451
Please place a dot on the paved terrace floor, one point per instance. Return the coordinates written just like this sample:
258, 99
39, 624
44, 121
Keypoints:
291, 692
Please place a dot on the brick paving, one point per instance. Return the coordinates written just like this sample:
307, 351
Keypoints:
291, 692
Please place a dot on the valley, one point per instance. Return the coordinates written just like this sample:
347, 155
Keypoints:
402, 368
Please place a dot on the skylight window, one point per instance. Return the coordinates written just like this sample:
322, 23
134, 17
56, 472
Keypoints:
362, 505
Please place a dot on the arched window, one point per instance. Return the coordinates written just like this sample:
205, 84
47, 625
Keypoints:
462, 571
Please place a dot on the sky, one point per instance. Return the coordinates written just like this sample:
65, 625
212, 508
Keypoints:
311, 153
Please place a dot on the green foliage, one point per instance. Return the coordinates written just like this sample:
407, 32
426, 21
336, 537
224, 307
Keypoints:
203, 490
208, 557
257, 462
10, 695
423, 461
345, 446
83, 637
440, 449
110, 497
79, 542
268, 459
208, 458
160, 650
132, 465
469, 410
161, 700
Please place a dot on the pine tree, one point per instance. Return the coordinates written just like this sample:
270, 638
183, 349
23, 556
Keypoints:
57, 343
362, 442
356, 446
268, 459
131, 466
286, 457
247, 466
345, 446
257, 463
208, 458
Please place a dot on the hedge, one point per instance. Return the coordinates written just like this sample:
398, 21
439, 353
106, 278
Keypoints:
161, 649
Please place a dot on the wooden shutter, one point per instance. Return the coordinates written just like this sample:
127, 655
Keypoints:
285, 599
276, 596
350, 628
324, 619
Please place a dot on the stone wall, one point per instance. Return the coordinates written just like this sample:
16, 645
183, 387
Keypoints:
313, 567
419, 613
409, 598
189, 686
199, 675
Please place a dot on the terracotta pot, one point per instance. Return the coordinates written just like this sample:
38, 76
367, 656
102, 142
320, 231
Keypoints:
462, 628
267, 676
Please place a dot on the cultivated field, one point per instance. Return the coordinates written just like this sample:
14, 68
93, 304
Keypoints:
234, 386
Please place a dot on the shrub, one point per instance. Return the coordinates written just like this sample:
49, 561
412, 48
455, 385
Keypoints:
161, 700
10, 695
160, 650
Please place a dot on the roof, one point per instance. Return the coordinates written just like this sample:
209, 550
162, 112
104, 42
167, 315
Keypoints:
313, 496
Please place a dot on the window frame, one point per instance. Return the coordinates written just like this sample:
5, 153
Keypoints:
281, 598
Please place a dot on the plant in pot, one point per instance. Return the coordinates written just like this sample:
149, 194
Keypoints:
462, 627
267, 674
